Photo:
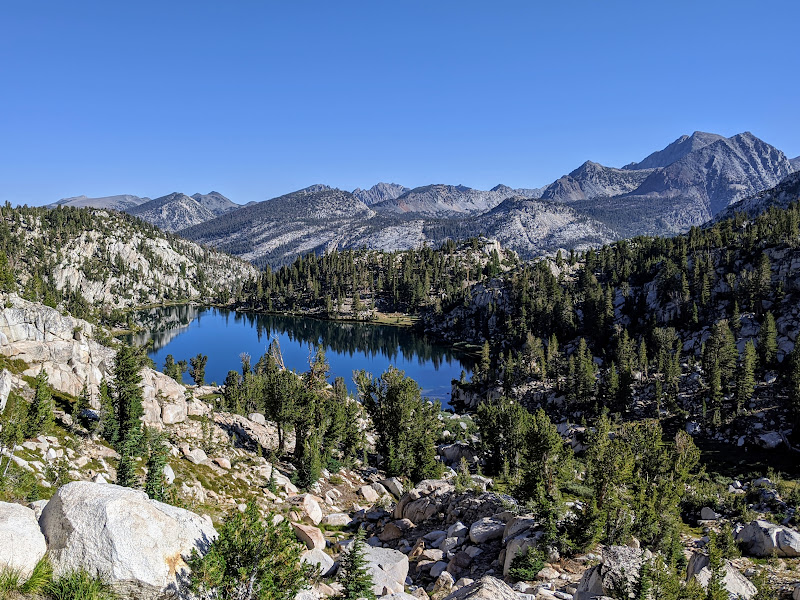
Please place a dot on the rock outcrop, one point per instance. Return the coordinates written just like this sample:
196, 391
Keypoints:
138, 544
64, 347
762, 538
22, 544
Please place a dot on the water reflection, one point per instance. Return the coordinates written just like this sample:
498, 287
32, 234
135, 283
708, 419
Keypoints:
223, 335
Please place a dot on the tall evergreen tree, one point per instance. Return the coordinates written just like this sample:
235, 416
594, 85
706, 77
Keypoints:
155, 483
745, 381
40, 416
768, 342
128, 396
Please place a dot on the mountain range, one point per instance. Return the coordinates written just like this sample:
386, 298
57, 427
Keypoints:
687, 183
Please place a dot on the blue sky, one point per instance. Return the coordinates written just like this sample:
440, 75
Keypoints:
256, 99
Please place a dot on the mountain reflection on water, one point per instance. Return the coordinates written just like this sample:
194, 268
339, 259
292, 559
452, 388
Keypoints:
224, 335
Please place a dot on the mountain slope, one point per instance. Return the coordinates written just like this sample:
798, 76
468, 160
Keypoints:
676, 150
694, 188
215, 202
440, 201
97, 259
277, 230
119, 202
173, 212
795, 162
783, 194
536, 227
593, 180
380, 192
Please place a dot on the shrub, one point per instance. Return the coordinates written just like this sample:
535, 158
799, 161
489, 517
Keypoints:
251, 559
526, 565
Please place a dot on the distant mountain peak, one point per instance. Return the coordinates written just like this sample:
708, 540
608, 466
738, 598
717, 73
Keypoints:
676, 150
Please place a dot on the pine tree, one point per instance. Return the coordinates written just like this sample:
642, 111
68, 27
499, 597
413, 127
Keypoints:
128, 396
126, 471
108, 425
81, 404
745, 381
197, 371
155, 483
768, 341
354, 575
40, 416
793, 383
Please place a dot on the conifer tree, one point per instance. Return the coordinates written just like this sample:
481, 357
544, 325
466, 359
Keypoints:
745, 381
155, 483
128, 396
197, 370
81, 404
40, 416
108, 425
768, 341
354, 575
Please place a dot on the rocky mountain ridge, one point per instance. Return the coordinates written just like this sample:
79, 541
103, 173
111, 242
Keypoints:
683, 185
120, 202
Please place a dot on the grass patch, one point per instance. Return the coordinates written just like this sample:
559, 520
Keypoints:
79, 585
16, 365
14, 585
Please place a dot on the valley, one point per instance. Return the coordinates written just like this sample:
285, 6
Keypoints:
519, 393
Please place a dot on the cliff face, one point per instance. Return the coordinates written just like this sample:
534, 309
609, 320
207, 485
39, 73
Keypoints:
68, 352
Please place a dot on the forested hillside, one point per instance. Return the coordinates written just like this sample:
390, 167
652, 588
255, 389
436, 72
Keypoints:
701, 326
94, 261
359, 284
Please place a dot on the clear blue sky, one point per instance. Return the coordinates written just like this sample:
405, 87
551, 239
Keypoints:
255, 99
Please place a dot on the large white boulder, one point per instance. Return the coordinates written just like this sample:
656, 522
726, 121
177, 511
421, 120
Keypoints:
485, 530
5, 388
762, 538
388, 568
22, 544
738, 585
139, 545
487, 588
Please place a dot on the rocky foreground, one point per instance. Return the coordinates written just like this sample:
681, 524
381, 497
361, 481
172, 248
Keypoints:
434, 540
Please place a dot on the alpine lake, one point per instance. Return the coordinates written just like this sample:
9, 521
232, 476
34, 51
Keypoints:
224, 335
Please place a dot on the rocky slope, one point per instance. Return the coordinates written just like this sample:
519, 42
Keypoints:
173, 212
780, 196
112, 260
534, 227
676, 150
121, 202
380, 192
795, 162
438, 201
592, 180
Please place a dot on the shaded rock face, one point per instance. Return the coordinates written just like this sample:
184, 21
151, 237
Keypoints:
22, 544
737, 585
64, 348
762, 538
619, 570
138, 544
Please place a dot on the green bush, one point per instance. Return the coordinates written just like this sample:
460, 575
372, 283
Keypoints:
526, 565
251, 559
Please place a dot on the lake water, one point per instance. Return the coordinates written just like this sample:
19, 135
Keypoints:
223, 335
